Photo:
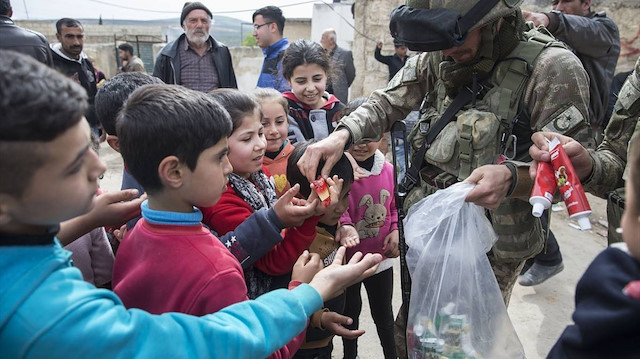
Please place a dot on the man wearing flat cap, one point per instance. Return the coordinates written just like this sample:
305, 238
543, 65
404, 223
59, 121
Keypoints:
196, 60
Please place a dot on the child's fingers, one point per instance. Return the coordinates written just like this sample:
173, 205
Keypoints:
291, 193
303, 259
339, 256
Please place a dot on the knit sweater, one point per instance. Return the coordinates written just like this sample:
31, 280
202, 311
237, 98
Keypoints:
169, 262
278, 168
372, 209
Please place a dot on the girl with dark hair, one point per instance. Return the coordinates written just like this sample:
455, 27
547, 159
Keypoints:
314, 112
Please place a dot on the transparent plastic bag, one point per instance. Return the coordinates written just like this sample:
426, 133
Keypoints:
456, 309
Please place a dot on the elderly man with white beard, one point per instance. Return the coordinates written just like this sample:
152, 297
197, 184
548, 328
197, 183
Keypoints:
196, 60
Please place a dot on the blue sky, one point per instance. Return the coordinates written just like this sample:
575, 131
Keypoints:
149, 9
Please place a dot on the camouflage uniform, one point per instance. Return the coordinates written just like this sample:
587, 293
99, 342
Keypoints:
556, 96
610, 158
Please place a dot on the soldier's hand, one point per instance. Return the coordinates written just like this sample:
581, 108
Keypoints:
536, 17
579, 156
492, 184
330, 149
379, 44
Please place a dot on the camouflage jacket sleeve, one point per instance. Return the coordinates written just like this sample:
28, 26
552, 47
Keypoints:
610, 159
403, 94
557, 96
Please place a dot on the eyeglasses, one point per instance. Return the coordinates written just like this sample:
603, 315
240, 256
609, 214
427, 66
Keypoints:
257, 27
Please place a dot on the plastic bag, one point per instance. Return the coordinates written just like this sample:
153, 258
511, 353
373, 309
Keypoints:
456, 309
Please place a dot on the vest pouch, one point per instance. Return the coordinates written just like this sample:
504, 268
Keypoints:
479, 135
520, 234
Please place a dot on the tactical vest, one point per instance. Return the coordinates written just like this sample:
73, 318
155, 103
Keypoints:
498, 124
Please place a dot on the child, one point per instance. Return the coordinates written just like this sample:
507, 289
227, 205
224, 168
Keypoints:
372, 213
249, 190
169, 262
314, 111
274, 120
607, 311
91, 253
49, 174
318, 342
254, 237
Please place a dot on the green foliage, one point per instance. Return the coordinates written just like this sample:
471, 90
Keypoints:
249, 40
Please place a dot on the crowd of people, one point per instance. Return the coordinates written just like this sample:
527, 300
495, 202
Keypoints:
248, 222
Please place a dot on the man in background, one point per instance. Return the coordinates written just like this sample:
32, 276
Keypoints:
130, 62
13, 37
70, 59
196, 60
268, 30
343, 72
396, 61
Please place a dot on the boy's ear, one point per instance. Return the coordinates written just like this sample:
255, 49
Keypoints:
171, 172
113, 142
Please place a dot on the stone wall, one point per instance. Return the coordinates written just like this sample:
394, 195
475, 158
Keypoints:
94, 34
372, 19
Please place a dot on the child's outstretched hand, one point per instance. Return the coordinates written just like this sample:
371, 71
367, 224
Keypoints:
335, 187
306, 267
335, 323
292, 211
390, 247
337, 276
347, 236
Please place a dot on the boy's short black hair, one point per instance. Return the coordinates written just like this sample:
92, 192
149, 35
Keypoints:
126, 47
342, 169
113, 94
37, 104
167, 120
271, 13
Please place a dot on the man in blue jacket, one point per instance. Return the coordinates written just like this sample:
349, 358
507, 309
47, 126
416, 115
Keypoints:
196, 60
268, 27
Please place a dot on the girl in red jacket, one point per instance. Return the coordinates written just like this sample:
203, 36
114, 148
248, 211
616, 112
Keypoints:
249, 190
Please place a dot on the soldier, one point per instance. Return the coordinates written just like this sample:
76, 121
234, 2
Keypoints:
603, 170
518, 81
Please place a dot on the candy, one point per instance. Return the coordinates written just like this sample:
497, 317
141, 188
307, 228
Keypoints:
322, 190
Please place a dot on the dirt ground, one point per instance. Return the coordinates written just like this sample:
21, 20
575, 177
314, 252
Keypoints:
539, 314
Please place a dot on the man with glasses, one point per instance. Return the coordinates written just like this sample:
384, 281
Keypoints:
196, 60
268, 26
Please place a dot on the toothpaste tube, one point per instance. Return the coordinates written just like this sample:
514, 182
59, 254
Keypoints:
543, 189
569, 185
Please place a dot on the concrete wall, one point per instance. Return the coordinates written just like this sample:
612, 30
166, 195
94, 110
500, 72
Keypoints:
372, 20
295, 29
339, 19
247, 63
625, 13
94, 34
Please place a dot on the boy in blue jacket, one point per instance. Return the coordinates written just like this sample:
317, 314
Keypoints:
49, 174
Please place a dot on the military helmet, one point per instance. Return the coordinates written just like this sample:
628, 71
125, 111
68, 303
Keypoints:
503, 8
433, 25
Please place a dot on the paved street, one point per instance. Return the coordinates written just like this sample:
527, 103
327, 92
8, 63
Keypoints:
539, 313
